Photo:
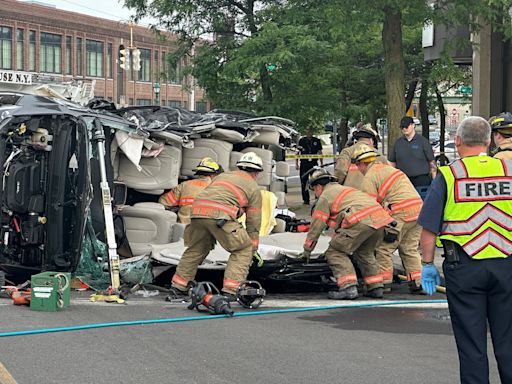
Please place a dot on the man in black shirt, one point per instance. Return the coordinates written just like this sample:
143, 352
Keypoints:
308, 145
413, 155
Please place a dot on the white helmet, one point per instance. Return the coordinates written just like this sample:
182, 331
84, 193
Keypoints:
250, 161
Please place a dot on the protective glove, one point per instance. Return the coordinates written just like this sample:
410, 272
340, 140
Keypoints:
257, 258
430, 277
306, 255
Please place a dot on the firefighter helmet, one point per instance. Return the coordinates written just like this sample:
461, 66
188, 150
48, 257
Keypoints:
502, 123
364, 154
251, 162
208, 165
366, 131
318, 175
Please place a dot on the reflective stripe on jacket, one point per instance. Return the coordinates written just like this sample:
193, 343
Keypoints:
478, 210
229, 196
346, 172
344, 206
183, 196
393, 190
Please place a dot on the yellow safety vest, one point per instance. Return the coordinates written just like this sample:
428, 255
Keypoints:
478, 210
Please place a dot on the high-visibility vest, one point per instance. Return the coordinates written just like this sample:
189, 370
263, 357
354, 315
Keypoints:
478, 210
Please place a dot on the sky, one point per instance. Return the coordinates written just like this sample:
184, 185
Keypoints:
106, 9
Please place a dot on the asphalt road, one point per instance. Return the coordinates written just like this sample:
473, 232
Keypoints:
346, 345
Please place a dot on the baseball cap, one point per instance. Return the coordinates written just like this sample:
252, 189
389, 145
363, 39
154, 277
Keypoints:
406, 120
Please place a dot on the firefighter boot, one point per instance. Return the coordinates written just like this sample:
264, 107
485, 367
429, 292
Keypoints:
376, 293
349, 293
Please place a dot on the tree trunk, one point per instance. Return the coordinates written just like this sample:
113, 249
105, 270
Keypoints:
343, 132
410, 93
424, 108
265, 84
442, 130
393, 71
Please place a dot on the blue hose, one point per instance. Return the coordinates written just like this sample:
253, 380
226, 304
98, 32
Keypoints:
211, 317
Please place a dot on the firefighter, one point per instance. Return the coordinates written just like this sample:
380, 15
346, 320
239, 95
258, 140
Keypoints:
469, 207
347, 172
358, 222
395, 192
183, 195
501, 127
214, 218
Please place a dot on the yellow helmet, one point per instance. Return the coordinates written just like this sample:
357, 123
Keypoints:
208, 165
364, 154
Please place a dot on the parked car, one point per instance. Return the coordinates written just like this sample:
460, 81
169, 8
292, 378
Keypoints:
432, 120
450, 152
434, 137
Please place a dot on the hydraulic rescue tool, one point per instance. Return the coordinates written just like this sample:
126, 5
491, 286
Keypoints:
250, 294
205, 294
113, 294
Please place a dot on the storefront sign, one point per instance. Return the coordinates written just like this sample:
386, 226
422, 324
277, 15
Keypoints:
15, 77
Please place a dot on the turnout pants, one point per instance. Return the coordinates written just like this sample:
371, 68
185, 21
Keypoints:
200, 237
480, 292
407, 244
357, 243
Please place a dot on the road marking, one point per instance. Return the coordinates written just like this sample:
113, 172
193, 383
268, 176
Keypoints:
5, 376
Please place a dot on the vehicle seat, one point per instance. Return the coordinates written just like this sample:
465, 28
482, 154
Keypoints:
157, 174
146, 224
218, 150
265, 178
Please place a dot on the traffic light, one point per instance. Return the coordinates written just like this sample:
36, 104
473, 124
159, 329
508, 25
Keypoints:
124, 58
136, 59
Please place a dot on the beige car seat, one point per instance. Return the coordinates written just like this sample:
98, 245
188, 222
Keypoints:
218, 150
147, 224
157, 174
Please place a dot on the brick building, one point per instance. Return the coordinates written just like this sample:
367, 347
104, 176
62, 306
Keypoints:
66, 45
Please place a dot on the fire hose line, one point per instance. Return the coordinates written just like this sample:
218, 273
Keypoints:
211, 317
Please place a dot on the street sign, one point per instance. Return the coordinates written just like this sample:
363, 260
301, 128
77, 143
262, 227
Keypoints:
465, 89
15, 77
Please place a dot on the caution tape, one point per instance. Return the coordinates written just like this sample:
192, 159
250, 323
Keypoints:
288, 157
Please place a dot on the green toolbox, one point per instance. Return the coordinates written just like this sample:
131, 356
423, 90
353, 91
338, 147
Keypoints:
50, 291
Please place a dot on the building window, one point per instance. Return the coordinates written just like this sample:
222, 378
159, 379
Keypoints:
94, 57
20, 39
130, 101
50, 51
145, 65
164, 72
79, 71
201, 106
175, 76
69, 51
5, 47
109, 60
143, 101
32, 50
174, 103
157, 63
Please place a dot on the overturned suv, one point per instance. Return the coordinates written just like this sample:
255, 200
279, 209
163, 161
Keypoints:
46, 190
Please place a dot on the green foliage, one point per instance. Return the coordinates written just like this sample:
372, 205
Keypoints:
310, 60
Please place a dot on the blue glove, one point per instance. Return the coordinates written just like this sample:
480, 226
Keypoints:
430, 277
